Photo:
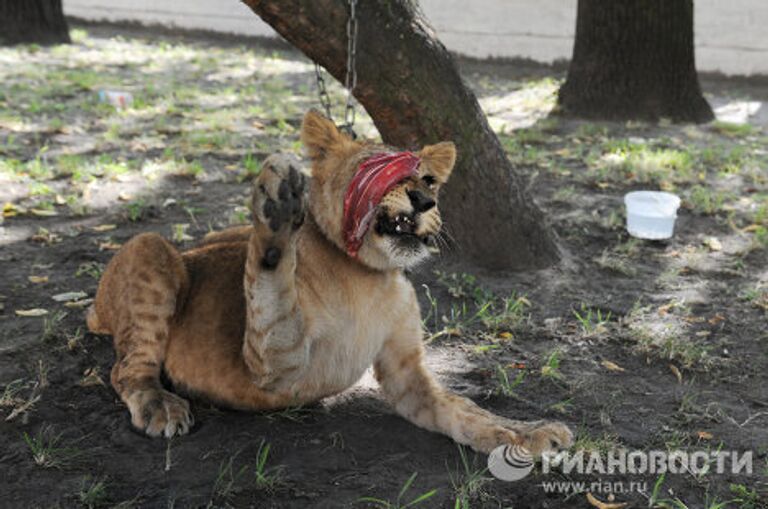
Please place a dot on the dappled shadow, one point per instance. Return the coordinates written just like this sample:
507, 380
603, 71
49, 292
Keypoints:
79, 178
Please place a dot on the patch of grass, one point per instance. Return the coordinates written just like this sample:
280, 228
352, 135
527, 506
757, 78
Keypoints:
705, 200
135, 210
732, 129
10, 395
611, 261
51, 324
564, 194
602, 444
399, 503
625, 162
92, 269
656, 502
241, 215
506, 386
229, 480
746, 498
671, 346
592, 321
93, 493
296, 413
469, 482
266, 477
478, 305
251, 167
47, 450
551, 367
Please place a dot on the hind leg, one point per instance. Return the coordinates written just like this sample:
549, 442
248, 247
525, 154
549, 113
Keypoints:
136, 301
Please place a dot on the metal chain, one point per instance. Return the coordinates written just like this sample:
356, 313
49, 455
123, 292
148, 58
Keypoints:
322, 92
350, 81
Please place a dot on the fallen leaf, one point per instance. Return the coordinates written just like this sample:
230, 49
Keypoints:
110, 246
612, 366
704, 435
38, 279
506, 335
11, 210
713, 244
91, 377
751, 228
716, 319
604, 505
78, 303
43, 212
103, 227
32, 312
676, 372
67, 296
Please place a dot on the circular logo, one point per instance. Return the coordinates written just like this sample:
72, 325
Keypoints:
510, 462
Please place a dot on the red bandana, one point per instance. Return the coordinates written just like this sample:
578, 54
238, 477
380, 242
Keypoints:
375, 177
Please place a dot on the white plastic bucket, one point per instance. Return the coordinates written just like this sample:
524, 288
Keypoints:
651, 214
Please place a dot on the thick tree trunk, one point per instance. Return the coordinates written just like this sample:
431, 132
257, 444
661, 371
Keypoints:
634, 60
408, 83
32, 21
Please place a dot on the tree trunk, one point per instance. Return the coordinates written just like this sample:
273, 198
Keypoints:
32, 21
408, 83
634, 60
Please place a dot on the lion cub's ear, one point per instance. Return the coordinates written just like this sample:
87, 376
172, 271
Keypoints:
439, 160
320, 135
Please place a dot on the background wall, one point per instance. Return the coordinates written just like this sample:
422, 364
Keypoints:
731, 37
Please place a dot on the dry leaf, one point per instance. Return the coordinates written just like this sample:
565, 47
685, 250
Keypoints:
612, 366
704, 435
713, 244
32, 312
505, 335
604, 505
91, 377
11, 210
103, 227
67, 296
43, 212
110, 246
38, 279
78, 303
676, 372
716, 319
751, 228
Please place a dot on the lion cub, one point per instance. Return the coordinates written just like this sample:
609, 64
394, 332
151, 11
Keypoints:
298, 305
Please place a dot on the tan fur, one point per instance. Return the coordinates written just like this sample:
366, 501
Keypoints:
276, 314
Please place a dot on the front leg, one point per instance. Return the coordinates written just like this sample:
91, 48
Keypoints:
274, 346
417, 396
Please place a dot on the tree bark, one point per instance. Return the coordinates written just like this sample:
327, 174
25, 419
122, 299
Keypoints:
32, 21
634, 60
408, 83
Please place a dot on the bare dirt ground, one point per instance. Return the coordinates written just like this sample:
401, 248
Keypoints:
637, 345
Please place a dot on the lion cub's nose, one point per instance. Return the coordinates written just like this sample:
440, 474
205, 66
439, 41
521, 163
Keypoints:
420, 201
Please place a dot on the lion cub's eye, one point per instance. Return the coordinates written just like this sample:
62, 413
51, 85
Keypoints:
429, 180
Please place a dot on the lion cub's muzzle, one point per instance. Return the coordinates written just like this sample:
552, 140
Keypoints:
418, 225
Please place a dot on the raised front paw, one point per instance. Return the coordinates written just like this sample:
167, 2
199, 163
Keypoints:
279, 198
159, 412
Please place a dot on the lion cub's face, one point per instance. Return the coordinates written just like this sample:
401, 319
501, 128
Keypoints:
407, 219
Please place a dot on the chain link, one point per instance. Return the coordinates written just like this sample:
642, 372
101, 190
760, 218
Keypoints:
350, 81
